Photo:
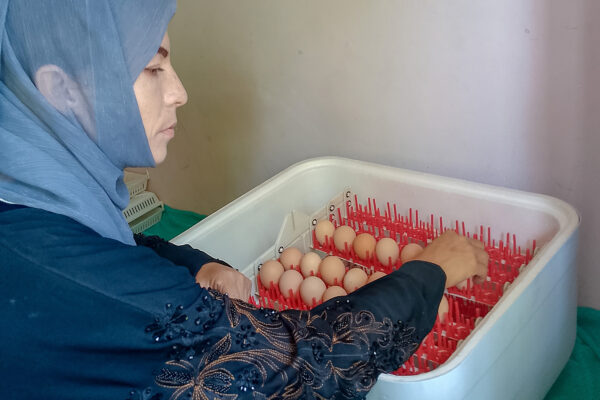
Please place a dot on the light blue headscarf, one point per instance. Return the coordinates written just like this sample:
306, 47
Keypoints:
57, 160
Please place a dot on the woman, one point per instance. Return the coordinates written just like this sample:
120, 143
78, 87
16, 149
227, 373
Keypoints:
86, 89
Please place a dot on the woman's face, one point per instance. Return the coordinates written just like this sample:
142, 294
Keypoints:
159, 92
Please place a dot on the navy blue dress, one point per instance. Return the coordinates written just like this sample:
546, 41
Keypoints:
85, 317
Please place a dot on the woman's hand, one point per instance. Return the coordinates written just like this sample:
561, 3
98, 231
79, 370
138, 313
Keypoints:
225, 280
460, 257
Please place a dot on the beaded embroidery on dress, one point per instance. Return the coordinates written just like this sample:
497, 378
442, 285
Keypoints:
266, 354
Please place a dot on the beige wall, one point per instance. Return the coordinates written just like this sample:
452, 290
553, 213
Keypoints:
502, 92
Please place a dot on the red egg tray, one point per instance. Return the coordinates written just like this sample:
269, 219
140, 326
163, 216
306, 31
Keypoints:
466, 307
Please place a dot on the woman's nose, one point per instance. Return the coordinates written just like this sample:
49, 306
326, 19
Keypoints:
175, 94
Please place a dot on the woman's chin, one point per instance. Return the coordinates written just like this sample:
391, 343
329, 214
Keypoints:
159, 155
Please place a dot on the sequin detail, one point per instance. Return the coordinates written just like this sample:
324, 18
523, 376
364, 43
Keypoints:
272, 355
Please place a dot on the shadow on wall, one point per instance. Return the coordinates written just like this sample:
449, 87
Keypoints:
564, 161
506, 94
205, 158
588, 174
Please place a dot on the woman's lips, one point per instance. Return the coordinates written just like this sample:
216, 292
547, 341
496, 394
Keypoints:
169, 132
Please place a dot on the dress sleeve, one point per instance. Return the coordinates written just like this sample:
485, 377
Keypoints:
229, 349
89, 317
184, 255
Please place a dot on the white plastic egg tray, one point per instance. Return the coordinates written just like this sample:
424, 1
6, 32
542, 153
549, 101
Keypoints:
521, 344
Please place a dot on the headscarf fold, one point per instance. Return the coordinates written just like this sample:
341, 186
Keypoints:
70, 161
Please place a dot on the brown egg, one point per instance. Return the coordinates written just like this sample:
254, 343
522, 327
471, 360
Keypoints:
290, 280
290, 257
332, 270
387, 248
343, 235
354, 279
410, 251
309, 264
270, 271
364, 246
376, 275
324, 229
333, 291
312, 288
443, 309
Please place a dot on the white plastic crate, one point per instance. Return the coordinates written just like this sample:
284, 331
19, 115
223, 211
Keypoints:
141, 204
521, 345
147, 220
136, 183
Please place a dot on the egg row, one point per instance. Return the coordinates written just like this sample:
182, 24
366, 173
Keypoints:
365, 245
313, 277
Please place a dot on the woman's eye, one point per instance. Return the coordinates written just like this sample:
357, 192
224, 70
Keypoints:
154, 70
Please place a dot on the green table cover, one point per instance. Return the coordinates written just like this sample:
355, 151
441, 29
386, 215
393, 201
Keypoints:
173, 222
580, 379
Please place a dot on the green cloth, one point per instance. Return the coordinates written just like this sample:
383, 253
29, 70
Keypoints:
173, 222
580, 379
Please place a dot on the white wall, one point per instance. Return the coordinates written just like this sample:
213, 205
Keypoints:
502, 92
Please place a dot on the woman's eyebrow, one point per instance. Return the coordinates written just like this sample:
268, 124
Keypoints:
163, 52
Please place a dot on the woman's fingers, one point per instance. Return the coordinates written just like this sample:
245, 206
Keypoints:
482, 266
476, 243
242, 286
247, 291
482, 259
460, 257
225, 280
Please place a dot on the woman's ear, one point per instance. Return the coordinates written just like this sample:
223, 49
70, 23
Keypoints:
56, 86
65, 95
